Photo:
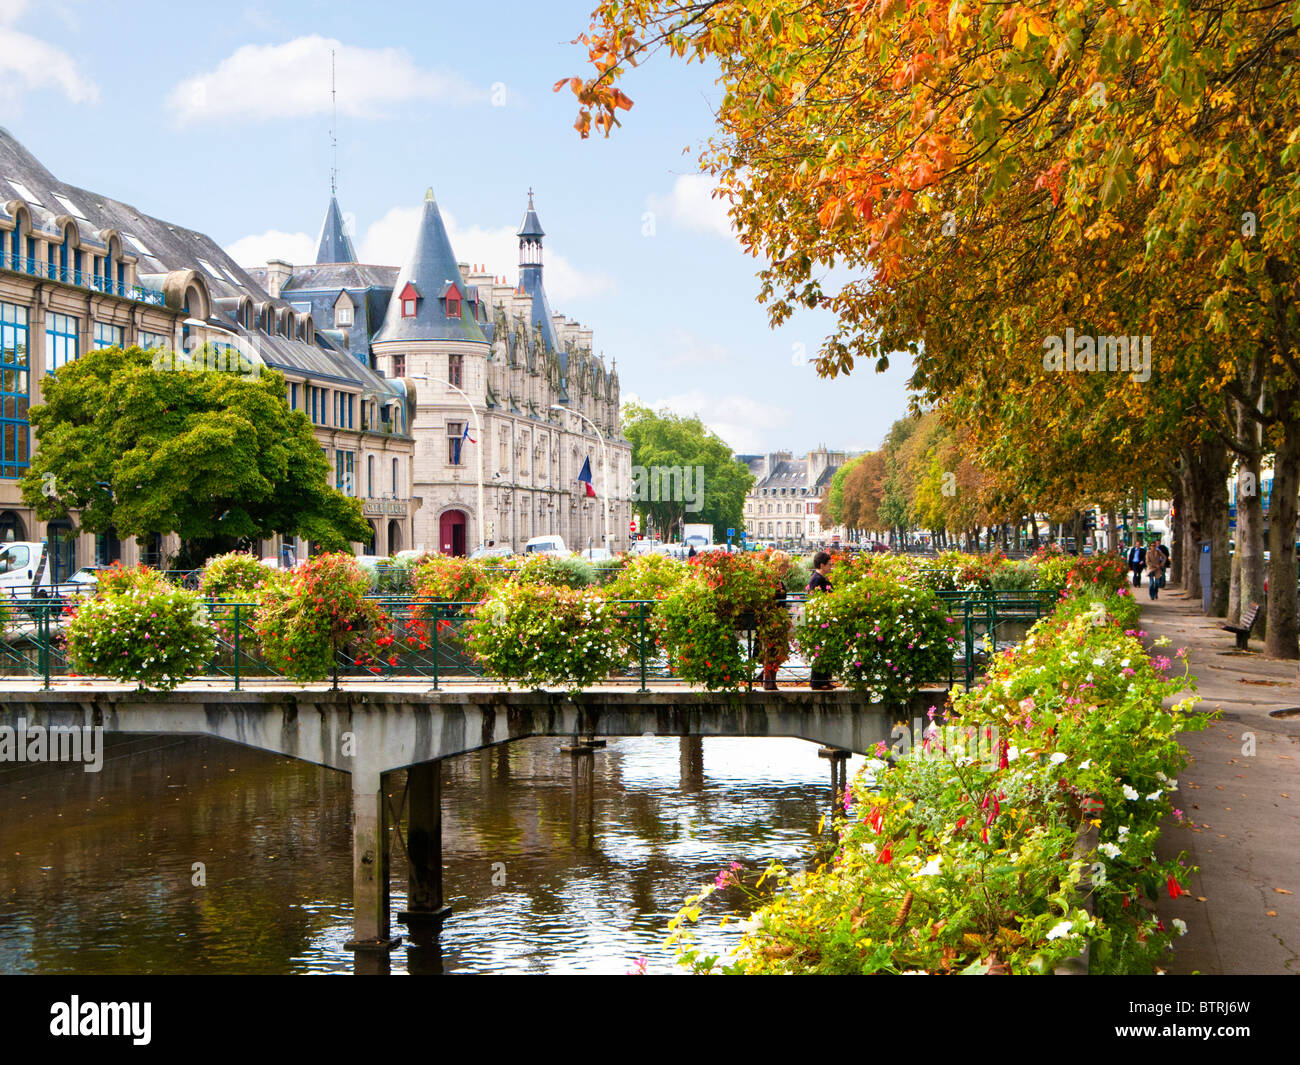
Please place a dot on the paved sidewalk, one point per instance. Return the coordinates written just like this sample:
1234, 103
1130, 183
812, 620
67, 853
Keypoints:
1241, 794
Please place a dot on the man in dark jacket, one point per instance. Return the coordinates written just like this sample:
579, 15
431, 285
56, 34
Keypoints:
820, 582
1137, 561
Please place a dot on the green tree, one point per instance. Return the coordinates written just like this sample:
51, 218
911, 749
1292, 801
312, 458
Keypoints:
662, 442
213, 457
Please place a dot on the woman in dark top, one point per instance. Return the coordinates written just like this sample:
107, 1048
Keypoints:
820, 582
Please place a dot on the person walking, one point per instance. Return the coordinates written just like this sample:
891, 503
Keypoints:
1155, 570
1137, 560
820, 582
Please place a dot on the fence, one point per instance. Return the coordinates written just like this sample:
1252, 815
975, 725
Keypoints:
430, 646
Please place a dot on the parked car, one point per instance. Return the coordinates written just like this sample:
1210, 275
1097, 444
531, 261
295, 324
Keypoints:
547, 545
597, 554
82, 583
645, 547
495, 551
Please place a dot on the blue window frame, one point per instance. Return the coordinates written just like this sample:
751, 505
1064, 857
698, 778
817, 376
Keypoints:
343, 471
107, 336
149, 341
15, 397
62, 340
293, 395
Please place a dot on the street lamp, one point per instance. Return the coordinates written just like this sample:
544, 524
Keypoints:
604, 466
478, 430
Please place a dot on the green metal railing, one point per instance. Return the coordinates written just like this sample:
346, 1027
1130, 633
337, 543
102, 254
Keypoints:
428, 645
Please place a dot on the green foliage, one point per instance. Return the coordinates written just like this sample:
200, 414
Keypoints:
118, 579
319, 614
537, 634
449, 579
961, 857
882, 638
568, 572
142, 630
233, 576
1014, 577
647, 577
664, 440
210, 456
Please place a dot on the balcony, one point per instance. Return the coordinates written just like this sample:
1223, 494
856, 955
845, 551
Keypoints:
79, 278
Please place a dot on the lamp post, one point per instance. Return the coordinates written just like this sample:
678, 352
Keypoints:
478, 429
604, 467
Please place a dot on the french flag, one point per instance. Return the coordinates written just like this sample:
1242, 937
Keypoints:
585, 477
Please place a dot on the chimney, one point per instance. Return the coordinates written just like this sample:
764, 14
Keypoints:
277, 273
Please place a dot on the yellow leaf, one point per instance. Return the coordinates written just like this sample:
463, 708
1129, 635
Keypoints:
1021, 37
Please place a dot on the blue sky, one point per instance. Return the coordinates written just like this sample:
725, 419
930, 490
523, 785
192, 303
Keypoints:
217, 118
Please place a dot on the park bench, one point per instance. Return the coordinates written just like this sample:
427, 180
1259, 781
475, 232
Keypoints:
1242, 631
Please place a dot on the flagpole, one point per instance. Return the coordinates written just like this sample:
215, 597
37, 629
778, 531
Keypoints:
478, 430
604, 468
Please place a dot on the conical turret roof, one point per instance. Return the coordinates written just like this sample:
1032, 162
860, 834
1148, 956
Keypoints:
431, 269
335, 244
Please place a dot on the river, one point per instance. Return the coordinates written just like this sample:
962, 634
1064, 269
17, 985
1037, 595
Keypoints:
188, 855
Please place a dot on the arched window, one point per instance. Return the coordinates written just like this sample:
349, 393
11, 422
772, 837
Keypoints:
395, 493
370, 475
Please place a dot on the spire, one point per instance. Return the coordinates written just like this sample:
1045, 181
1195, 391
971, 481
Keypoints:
432, 279
530, 280
335, 244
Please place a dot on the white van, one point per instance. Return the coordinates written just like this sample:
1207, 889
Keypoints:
547, 545
24, 570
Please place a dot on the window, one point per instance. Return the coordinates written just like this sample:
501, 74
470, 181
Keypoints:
399, 365
456, 370
395, 493
15, 434
149, 341
453, 307
61, 340
455, 437
107, 336
370, 475
351, 408
293, 395
343, 461
343, 315
408, 308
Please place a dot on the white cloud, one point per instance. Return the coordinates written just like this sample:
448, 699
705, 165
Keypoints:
12, 10
27, 63
292, 80
692, 205
256, 249
740, 420
388, 241
683, 348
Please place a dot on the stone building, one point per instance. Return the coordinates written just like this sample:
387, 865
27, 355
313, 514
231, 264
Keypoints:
80, 271
485, 364
782, 505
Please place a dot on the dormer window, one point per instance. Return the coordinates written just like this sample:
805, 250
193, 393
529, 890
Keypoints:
453, 307
451, 297
410, 297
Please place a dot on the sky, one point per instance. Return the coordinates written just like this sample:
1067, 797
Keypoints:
218, 119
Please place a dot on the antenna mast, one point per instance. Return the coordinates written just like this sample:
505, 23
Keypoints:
334, 141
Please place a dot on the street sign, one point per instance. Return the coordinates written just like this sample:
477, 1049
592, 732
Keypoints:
731, 534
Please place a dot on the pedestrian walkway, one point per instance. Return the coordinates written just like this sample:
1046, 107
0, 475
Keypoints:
1240, 795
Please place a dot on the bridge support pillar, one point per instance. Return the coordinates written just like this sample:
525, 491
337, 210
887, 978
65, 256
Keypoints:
370, 863
839, 760
425, 907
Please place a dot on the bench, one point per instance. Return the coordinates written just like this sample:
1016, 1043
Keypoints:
1242, 631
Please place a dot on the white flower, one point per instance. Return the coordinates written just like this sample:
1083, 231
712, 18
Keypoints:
931, 868
1086, 765
1154, 796
1061, 930
1098, 661
1173, 785
1013, 753
1129, 793
1057, 758
870, 848
1109, 850
1161, 776
1123, 831
1180, 926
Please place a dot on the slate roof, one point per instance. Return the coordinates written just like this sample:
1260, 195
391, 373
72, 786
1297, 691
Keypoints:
432, 264
335, 244
532, 226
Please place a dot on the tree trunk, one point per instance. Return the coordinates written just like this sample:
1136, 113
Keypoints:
1112, 531
1282, 639
1178, 545
1248, 559
1191, 522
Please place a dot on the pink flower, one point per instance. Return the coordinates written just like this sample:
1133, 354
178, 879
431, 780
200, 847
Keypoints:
638, 968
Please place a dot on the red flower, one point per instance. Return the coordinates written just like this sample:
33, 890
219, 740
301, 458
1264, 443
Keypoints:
886, 856
1175, 888
961, 822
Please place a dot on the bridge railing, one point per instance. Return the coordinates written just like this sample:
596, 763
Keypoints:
429, 642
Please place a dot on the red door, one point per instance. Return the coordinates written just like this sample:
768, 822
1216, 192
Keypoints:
451, 533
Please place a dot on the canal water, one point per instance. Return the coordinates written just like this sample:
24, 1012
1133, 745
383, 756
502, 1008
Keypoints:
189, 855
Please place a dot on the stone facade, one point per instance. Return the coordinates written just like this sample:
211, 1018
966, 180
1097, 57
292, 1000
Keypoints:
782, 505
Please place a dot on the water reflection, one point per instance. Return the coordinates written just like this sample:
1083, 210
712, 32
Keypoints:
191, 855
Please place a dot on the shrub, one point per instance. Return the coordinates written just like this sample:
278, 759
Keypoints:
451, 580
647, 577
953, 571
150, 632
1106, 572
1014, 577
570, 572
117, 579
540, 634
398, 577
234, 577
319, 614
957, 864
881, 638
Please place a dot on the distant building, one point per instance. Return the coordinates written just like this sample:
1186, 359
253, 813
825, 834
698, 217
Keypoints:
782, 505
